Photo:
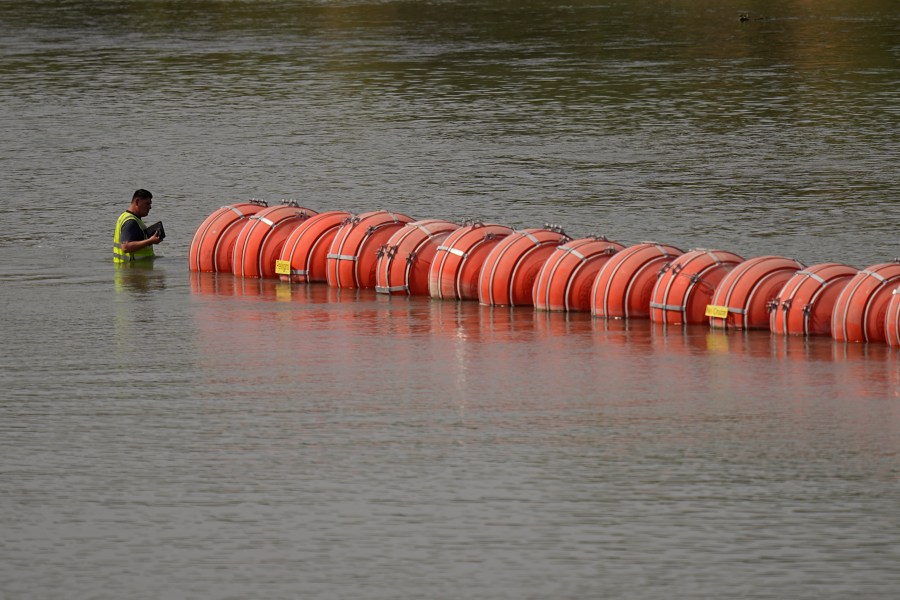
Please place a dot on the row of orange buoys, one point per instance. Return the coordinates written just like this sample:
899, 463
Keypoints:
545, 268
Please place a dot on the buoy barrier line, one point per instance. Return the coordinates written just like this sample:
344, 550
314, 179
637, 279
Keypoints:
805, 303
866, 307
510, 270
456, 267
747, 290
690, 280
212, 246
859, 312
624, 286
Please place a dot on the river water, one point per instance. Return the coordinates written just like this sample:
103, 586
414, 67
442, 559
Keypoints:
173, 435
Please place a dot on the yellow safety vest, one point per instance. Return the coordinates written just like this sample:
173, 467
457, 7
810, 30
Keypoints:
120, 256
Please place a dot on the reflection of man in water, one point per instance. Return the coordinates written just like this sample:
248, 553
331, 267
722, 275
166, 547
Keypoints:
130, 241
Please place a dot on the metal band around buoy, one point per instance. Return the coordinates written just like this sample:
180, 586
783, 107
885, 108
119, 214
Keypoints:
452, 250
818, 278
342, 256
676, 307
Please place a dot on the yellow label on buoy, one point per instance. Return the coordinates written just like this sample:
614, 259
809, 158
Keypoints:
719, 312
283, 267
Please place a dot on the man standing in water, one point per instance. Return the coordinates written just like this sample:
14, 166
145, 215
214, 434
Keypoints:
130, 241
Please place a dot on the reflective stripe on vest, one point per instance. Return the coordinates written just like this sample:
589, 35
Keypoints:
121, 256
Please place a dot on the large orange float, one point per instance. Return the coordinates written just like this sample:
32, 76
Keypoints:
624, 285
892, 320
510, 270
741, 300
686, 285
567, 277
457, 262
306, 249
404, 261
259, 242
860, 311
804, 304
212, 246
353, 254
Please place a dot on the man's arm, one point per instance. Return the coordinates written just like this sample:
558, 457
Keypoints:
133, 238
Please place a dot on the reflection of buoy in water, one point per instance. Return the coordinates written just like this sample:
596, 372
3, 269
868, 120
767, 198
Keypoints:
686, 285
306, 248
213, 243
352, 257
404, 261
258, 244
458, 260
892, 320
567, 277
742, 298
624, 285
509, 272
804, 304
859, 313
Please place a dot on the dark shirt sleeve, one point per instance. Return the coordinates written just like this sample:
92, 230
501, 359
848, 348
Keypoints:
131, 232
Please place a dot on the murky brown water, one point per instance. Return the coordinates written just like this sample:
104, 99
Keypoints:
174, 435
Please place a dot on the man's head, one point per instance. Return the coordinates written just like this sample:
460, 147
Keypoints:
141, 203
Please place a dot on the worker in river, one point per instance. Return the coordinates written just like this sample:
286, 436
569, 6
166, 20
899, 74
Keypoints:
131, 240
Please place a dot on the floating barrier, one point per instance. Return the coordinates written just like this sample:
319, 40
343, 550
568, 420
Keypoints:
259, 242
404, 262
804, 304
353, 255
304, 254
686, 286
860, 311
543, 268
624, 285
892, 320
212, 246
510, 270
457, 262
566, 279
743, 297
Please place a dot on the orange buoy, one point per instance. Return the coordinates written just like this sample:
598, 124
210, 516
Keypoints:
306, 248
742, 298
624, 285
860, 311
805, 302
510, 270
686, 285
353, 254
566, 279
258, 244
457, 262
213, 243
404, 261
892, 320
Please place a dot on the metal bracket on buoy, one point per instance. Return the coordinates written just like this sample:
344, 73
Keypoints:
291, 203
555, 228
258, 202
